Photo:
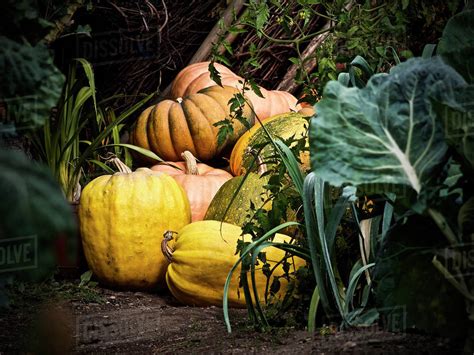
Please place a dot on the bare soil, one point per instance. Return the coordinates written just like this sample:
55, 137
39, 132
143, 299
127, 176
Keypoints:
135, 322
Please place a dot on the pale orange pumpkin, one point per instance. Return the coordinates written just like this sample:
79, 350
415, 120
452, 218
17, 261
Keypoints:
200, 182
196, 77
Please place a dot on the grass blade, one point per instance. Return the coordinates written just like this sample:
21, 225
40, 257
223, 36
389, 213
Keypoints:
387, 219
291, 164
428, 50
336, 214
90, 77
105, 167
97, 141
312, 239
295, 250
258, 306
143, 151
245, 252
313, 308
318, 206
352, 286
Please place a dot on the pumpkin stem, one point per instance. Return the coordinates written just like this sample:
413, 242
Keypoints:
191, 164
121, 166
165, 248
261, 166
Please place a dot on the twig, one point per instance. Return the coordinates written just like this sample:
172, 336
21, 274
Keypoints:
203, 52
205, 49
288, 83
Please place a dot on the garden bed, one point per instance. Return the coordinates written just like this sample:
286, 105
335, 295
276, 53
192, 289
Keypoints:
110, 321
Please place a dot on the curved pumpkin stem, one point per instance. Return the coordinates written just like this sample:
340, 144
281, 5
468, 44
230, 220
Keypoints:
165, 248
121, 166
191, 164
261, 166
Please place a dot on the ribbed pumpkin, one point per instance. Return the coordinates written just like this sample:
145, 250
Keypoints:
173, 126
196, 77
201, 258
200, 181
122, 219
283, 126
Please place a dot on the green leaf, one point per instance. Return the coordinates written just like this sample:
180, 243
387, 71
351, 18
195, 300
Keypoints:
386, 134
457, 44
31, 85
214, 74
311, 184
261, 16
143, 151
103, 166
255, 88
96, 142
428, 50
295, 61
313, 308
90, 77
85, 278
225, 131
228, 47
236, 30
40, 211
244, 121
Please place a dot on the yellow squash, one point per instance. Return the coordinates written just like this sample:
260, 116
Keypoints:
201, 258
122, 221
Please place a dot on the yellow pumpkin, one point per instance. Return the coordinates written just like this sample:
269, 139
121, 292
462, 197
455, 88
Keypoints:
122, 219
174, 126
201, 258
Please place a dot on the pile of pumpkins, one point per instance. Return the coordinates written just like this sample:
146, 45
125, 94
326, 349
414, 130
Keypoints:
165, 225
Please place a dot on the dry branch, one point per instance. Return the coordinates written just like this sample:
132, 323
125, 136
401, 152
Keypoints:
288, 83
205, 50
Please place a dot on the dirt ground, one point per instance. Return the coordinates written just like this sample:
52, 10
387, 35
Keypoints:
135, 322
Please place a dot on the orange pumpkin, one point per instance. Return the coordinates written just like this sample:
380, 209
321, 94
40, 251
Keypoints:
173, 126
196, 77
200, 182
